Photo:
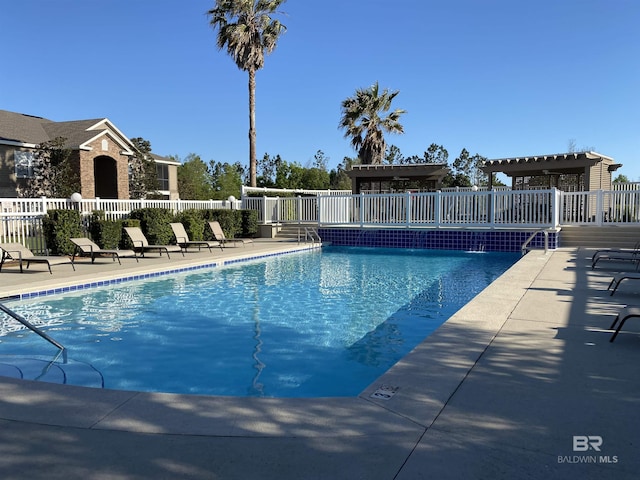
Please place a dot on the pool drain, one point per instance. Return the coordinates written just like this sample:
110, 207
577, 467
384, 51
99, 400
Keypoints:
384, 392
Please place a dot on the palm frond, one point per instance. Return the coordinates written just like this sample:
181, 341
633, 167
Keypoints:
246, 30
363, 121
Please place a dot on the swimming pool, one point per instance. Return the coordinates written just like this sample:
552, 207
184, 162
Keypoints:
323, 323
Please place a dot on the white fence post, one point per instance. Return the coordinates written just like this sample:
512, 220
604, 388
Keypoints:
492, 208
555, 208
407, 209
437, 213
599, 211
264, 209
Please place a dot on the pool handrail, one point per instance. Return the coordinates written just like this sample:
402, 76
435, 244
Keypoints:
310, 233
30, 326
533, 235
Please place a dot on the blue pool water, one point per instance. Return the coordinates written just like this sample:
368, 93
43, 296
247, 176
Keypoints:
323, 323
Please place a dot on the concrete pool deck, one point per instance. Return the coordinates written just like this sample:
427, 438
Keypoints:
512, 386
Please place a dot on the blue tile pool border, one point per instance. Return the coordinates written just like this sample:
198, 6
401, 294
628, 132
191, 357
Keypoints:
144, 276
438, 239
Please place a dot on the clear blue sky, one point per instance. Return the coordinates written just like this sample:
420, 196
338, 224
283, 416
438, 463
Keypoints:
501, 78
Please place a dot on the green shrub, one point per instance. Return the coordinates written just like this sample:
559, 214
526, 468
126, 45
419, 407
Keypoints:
58, 227
194, 223
230, 221
106, 233
249, 223
154, 223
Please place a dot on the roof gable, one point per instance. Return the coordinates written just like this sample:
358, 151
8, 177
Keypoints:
29, 130
76, 132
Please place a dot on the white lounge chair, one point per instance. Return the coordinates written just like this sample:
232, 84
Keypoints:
141, 244
21, 254
182, 238
219, 235
85, 246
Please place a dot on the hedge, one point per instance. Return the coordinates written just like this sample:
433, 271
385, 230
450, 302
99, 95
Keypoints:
154, 223
194, 223
61, 225
106, 233
58, 227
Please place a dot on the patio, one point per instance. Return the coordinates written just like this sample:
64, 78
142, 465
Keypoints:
521, 382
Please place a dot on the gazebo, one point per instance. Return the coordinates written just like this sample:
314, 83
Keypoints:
569, 172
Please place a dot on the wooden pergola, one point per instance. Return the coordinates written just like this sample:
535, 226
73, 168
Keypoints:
575, 171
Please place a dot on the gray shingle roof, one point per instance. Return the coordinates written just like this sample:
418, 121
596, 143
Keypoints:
18, 127
75, 132
29, 129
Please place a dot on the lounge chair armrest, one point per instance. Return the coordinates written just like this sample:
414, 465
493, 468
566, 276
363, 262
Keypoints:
12, 254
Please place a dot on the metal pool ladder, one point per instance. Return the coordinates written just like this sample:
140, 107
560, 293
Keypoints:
533, 235
31, 327
310, 233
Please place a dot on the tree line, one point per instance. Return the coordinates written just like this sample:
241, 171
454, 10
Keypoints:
214, 180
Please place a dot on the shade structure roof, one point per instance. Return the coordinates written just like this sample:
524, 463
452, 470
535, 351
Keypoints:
558, 163
419, 170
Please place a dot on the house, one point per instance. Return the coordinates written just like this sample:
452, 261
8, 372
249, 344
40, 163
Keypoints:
100, 152
569, 172
378, 178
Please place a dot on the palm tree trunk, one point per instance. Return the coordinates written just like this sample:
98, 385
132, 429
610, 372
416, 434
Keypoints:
252, 128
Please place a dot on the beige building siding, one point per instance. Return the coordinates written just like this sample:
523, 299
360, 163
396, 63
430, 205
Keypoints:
600, 178
7, 171
173, 182
8, 180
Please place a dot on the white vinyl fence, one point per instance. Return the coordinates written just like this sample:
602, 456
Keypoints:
521, 209
21, 219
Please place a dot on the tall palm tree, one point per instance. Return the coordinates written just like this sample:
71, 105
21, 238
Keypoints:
247, 31
362, 119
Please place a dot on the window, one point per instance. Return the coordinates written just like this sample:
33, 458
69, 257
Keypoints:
163, 176
24, 162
